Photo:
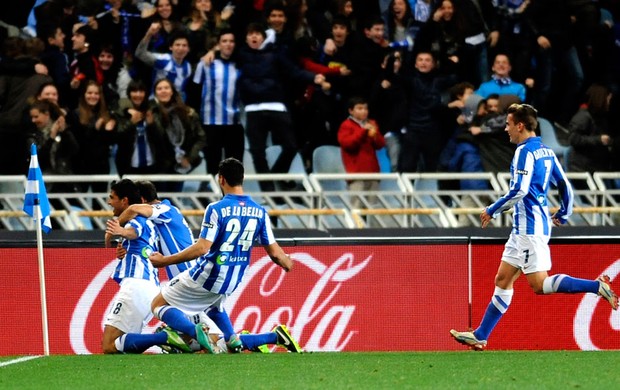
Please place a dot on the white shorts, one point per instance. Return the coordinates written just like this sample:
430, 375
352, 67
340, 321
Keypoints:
528, 253
190, 297
131, 310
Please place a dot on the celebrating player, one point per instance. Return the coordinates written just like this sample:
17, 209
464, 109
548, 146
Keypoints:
137, 277
534, 167
230, 227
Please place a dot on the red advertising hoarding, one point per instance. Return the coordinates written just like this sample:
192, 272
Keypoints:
338, 298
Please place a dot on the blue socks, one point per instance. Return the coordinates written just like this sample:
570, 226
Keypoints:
176, 319
252, 341
222, 321
562, 283
138, 342
496, 309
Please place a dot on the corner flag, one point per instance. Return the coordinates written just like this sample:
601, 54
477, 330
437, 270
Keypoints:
36, 194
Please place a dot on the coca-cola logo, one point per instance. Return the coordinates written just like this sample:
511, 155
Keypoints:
331, 321
321, 323
592, 323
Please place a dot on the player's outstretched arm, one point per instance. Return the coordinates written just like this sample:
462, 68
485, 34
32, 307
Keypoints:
194, 251
145, 210
277, 255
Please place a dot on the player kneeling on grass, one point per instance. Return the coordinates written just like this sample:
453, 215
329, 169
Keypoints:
223, 250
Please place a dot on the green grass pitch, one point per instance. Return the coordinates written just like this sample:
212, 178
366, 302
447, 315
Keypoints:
398, 370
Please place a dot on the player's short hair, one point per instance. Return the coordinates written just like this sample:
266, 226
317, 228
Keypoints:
147, 190
126, 188
524, 113
232, 170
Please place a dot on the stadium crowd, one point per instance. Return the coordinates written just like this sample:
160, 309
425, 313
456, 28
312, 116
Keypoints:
162, 84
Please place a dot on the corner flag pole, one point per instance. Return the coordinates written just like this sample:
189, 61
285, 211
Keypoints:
46, 341
36, 204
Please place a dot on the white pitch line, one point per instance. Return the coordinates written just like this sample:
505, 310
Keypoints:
19, 360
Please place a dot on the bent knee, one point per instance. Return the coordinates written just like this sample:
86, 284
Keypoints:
109, 347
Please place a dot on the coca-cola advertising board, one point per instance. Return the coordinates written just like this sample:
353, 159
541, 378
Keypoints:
337, 298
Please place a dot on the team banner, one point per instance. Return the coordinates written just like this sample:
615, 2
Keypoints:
337, 298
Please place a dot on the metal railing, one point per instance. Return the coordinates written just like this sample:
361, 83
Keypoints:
323, 201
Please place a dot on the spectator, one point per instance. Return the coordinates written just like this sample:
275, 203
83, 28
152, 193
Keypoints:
389, 105
120, 26
173, 65
367, 58
501, 83
137, 150
94, 128
478, 31
359, 139
440, 35
165, 15
115, 76
559, 75
426, 133
516, 39
488, 128
56, 144
54, 58
177, 127
459, 31
275, 15
16, 87
262, 91
219, 106
401, 27
590, 136
343, 9
203, 24
85, 66
461, 154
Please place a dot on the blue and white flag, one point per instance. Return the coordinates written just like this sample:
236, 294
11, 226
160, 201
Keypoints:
36, 193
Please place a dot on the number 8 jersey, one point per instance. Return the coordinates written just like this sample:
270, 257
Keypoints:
232, 225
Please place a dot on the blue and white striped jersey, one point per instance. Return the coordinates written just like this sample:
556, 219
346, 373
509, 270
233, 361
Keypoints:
232, 225
533, 168
220, 103
166, 67
174, 234
136, 263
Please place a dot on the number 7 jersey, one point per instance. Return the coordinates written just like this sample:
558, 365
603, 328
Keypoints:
534, 168
232, 225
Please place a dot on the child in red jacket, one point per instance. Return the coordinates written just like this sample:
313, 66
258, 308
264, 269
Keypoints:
359, 139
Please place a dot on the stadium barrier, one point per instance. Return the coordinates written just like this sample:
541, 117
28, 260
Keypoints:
323, 201
347, 294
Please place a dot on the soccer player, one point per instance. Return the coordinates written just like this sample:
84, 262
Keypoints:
174, 233
534, 167
137, 277
229, 230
